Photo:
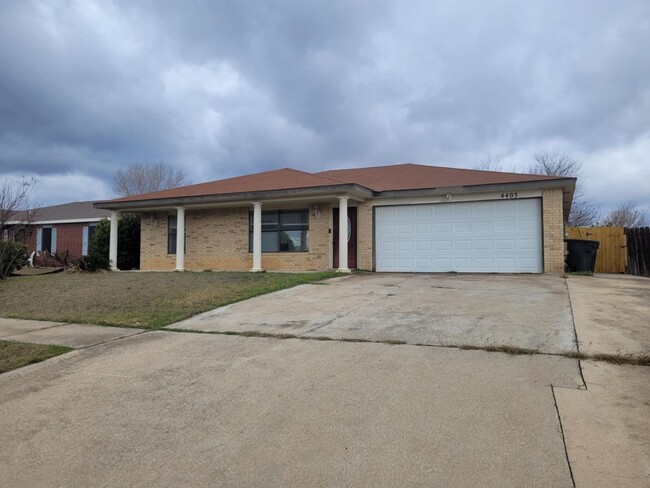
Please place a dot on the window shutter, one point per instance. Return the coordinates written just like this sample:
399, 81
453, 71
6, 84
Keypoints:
53, 250
39, 240
84, 241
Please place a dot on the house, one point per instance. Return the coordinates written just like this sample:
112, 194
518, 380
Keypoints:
406, 217
66, 227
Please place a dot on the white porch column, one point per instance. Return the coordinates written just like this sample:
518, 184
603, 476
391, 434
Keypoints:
112, 250
180, 238
257, 237
343, 235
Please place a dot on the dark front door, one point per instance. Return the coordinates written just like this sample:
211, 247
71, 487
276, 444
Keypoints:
352, 237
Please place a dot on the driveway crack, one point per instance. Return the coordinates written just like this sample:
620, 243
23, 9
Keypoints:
566, 451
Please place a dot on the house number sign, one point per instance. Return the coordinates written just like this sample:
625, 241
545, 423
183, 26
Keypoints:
512, 194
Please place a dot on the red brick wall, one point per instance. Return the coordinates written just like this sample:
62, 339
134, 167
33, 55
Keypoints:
68, 237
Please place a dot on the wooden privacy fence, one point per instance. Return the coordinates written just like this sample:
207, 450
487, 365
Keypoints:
638, 250
612, 251
621, 250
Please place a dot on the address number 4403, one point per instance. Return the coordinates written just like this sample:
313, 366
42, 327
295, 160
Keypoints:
509, 195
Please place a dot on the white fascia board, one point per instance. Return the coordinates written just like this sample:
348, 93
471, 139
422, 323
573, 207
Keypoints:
50, 222
455, 197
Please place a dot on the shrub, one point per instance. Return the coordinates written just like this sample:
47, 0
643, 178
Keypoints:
128, 241
91, 263
13, 256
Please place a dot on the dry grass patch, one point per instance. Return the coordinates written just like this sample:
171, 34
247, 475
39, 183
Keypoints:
15, 355
149, 300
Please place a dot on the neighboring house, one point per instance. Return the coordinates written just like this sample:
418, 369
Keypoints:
403, 217
66, 227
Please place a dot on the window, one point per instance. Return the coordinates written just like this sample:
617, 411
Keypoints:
171, 234
19, 236
91, 231
46, 239
282, 231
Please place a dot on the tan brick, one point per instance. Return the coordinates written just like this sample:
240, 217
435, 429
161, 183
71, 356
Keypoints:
553, 230
217, 239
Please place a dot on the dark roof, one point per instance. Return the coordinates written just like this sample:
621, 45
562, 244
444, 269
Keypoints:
69, 211
375, 178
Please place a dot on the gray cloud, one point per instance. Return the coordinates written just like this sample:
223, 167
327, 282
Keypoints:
234, 87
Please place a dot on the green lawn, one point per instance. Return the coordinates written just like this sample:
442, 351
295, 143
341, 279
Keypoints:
149, 300
18, 354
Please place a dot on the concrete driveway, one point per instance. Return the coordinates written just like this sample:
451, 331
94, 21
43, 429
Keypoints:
186, 409
526, 311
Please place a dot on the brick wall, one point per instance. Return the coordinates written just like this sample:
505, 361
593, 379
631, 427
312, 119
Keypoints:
553, 225
153, 243
217, 239
68, 237
365, 236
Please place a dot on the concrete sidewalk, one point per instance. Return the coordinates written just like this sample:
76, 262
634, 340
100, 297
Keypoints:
607, 426
70, 335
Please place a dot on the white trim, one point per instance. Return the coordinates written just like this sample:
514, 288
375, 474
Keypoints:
84, 240
257, 237
112, 253
50, 222
459, 197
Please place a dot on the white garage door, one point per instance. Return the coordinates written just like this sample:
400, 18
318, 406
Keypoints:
502, 236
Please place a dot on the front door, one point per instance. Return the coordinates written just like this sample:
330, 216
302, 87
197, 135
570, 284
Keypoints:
352, 237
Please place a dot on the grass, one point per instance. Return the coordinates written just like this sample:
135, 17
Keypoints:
147, 300
15, 355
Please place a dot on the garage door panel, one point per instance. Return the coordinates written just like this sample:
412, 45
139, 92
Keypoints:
484, 244
494, 236
462, 227
482, 226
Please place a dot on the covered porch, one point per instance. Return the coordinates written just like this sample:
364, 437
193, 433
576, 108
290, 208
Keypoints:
294, 233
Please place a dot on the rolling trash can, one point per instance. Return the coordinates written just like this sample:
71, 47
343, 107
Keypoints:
582, 255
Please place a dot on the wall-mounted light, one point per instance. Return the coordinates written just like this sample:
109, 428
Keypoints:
315, 211
448, 196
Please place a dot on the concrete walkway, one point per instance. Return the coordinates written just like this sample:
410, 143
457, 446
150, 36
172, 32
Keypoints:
607, 426
62, 334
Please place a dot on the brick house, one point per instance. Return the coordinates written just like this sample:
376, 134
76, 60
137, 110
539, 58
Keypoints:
66, 227
408, 217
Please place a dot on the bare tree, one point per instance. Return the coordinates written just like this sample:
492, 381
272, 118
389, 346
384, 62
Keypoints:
144, 178
584, 213
489, 163
627, 215
17, 212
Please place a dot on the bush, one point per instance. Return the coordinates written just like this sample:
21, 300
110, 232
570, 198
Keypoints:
13, 256
128, 241
91, 263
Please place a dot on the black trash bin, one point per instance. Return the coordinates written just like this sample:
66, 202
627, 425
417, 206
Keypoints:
582, 255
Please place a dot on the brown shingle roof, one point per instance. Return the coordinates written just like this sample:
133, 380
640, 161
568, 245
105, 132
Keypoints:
279, 179
375, 178
418, 176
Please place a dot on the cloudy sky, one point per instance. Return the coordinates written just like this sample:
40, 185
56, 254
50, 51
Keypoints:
232, 87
